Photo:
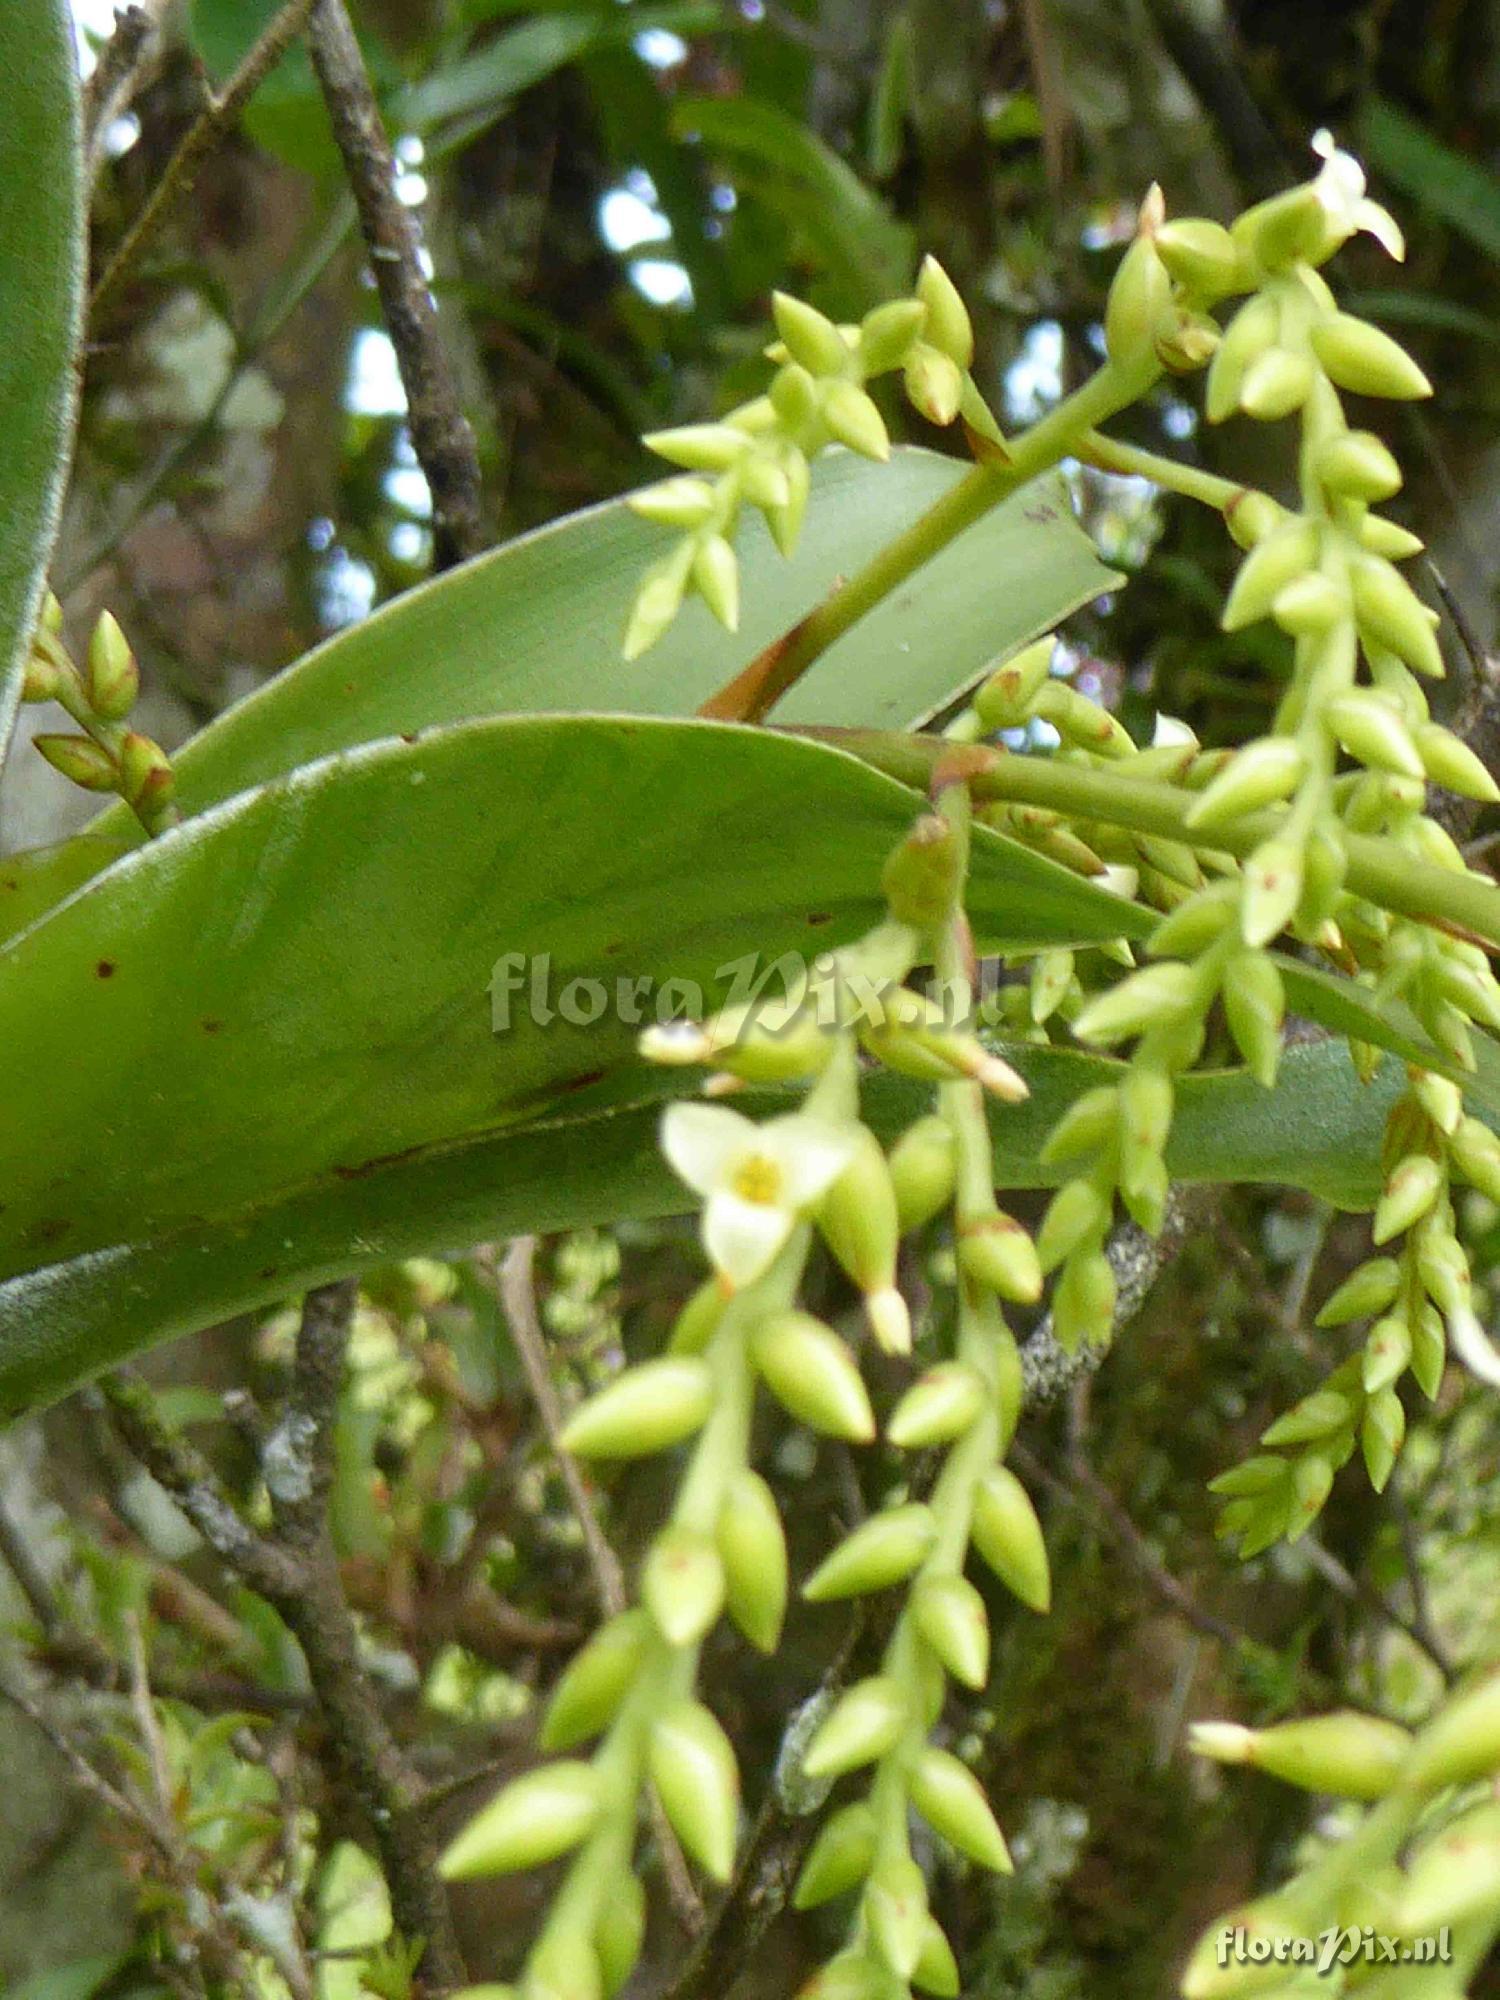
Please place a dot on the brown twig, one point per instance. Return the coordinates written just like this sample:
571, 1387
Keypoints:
116, 76
440, 433
218, 116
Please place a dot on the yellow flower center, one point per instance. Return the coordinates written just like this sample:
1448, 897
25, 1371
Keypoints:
757, 1179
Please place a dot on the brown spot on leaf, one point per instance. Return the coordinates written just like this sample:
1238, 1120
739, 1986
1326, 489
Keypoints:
210, 1025
105, 969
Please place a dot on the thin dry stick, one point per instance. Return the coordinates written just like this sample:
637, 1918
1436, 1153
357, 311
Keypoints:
218, 116
440, 433
116, 76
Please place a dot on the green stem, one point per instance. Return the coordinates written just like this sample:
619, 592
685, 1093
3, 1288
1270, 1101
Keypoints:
1107, 454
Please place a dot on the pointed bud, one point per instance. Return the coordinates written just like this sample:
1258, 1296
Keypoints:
794, 396
853, 420
1440, 1098
1429, 1350
1462, 1744
862, 1726
657, 602
785, 522
1391, 614
1389, 539
936, 1969
41, 677
764, 479
1476, 1154
934, 384
881, 1551
1076, 1214
752, 1549
699, 447
1083, 1305
939, 1407
1146, 1098
1360, 357
621, 1930
1249, 334
1451, 763
950, 1615
1155, 995
563, 1966
895, 1909
1310, 605
1276, 383
1086, 1124
949, 1797
1455, 1877
1005, 698
1359, 465
1140, 298
698, 1322
1270, 566
533, 1820
682, 1583
698, 1782
853, 1975
887, 335
1272, 891
813, 1375
716, 574
1371, 730
1387, 1352
1381, 1434
1251, 516
840, 1857
1009, 1536
921, 875
646, 1409
1413, 1186
674, 503
996, 1253
1345, 1754
80, 760
1320, 1415
923, 1169
1284, 230
1051, 976
594, 1682
948, 325
113, 679
811, 339
1201, 256
1254, 1004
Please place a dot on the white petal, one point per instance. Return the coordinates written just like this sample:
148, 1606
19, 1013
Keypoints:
1170, 729
811, 1153
742, 1237
703, 1141
1472, 1346
1383, 226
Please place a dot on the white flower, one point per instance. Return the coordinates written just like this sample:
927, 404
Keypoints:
756, 1180
1340, 187
1171, 732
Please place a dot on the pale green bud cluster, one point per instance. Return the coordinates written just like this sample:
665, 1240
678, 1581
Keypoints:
760, 453
107, 756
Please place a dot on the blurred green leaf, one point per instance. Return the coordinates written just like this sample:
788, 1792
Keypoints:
1465, 194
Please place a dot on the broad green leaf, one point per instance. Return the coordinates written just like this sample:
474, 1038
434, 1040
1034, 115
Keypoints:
537, 625
41, 280
1465, 194
271, 1046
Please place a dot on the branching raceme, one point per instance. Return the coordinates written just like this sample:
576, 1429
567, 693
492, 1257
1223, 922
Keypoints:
1304, 833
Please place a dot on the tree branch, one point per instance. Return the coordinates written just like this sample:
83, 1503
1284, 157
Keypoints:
440, 433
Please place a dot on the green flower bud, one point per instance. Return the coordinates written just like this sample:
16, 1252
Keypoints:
765, 482
1387, 1352
1140, 298
1276, 383
948, 324
810, 339
534, 1819
1272, 890
1253, 1477
674, 503
699, 447
1082, 722
996, 1253
921, 875
853, 1975
594, 1682
887, 335
839, 1858
1201, 256
1186, 341
1462, 1743
1451, 763
1312, 1482
853, 420
1009, 1536
1359, 465
1076, 1214
147, 780
698, 1782
1476, 1153
41, 677
648, 1408
1361, 358
698, 1322
1440, 1098
1371, 730
80, 760
936, 1969
864, 1723
113, 679
934, 384
1250, 516
895, 1908
1146, 1098
937, 1408
813, 1375
1320, 1415
950, 1615
1412, 1187
1389, 539
949, 1797
1381, 1434
1429, 1351
682, 1583
881, 1551
1086, 1124
1264, 772
658, 599
564, 1966
1248, 335
1345, 1754
621, 1930
1284, 230
1310, 605
716, 573
923, 1170
1051, 976
857, 1219
1083, 1305
1254, 1004
1455, 1877
1005, 698
794, 396
1267, 570
1149, 998
785, 522
752, 1548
